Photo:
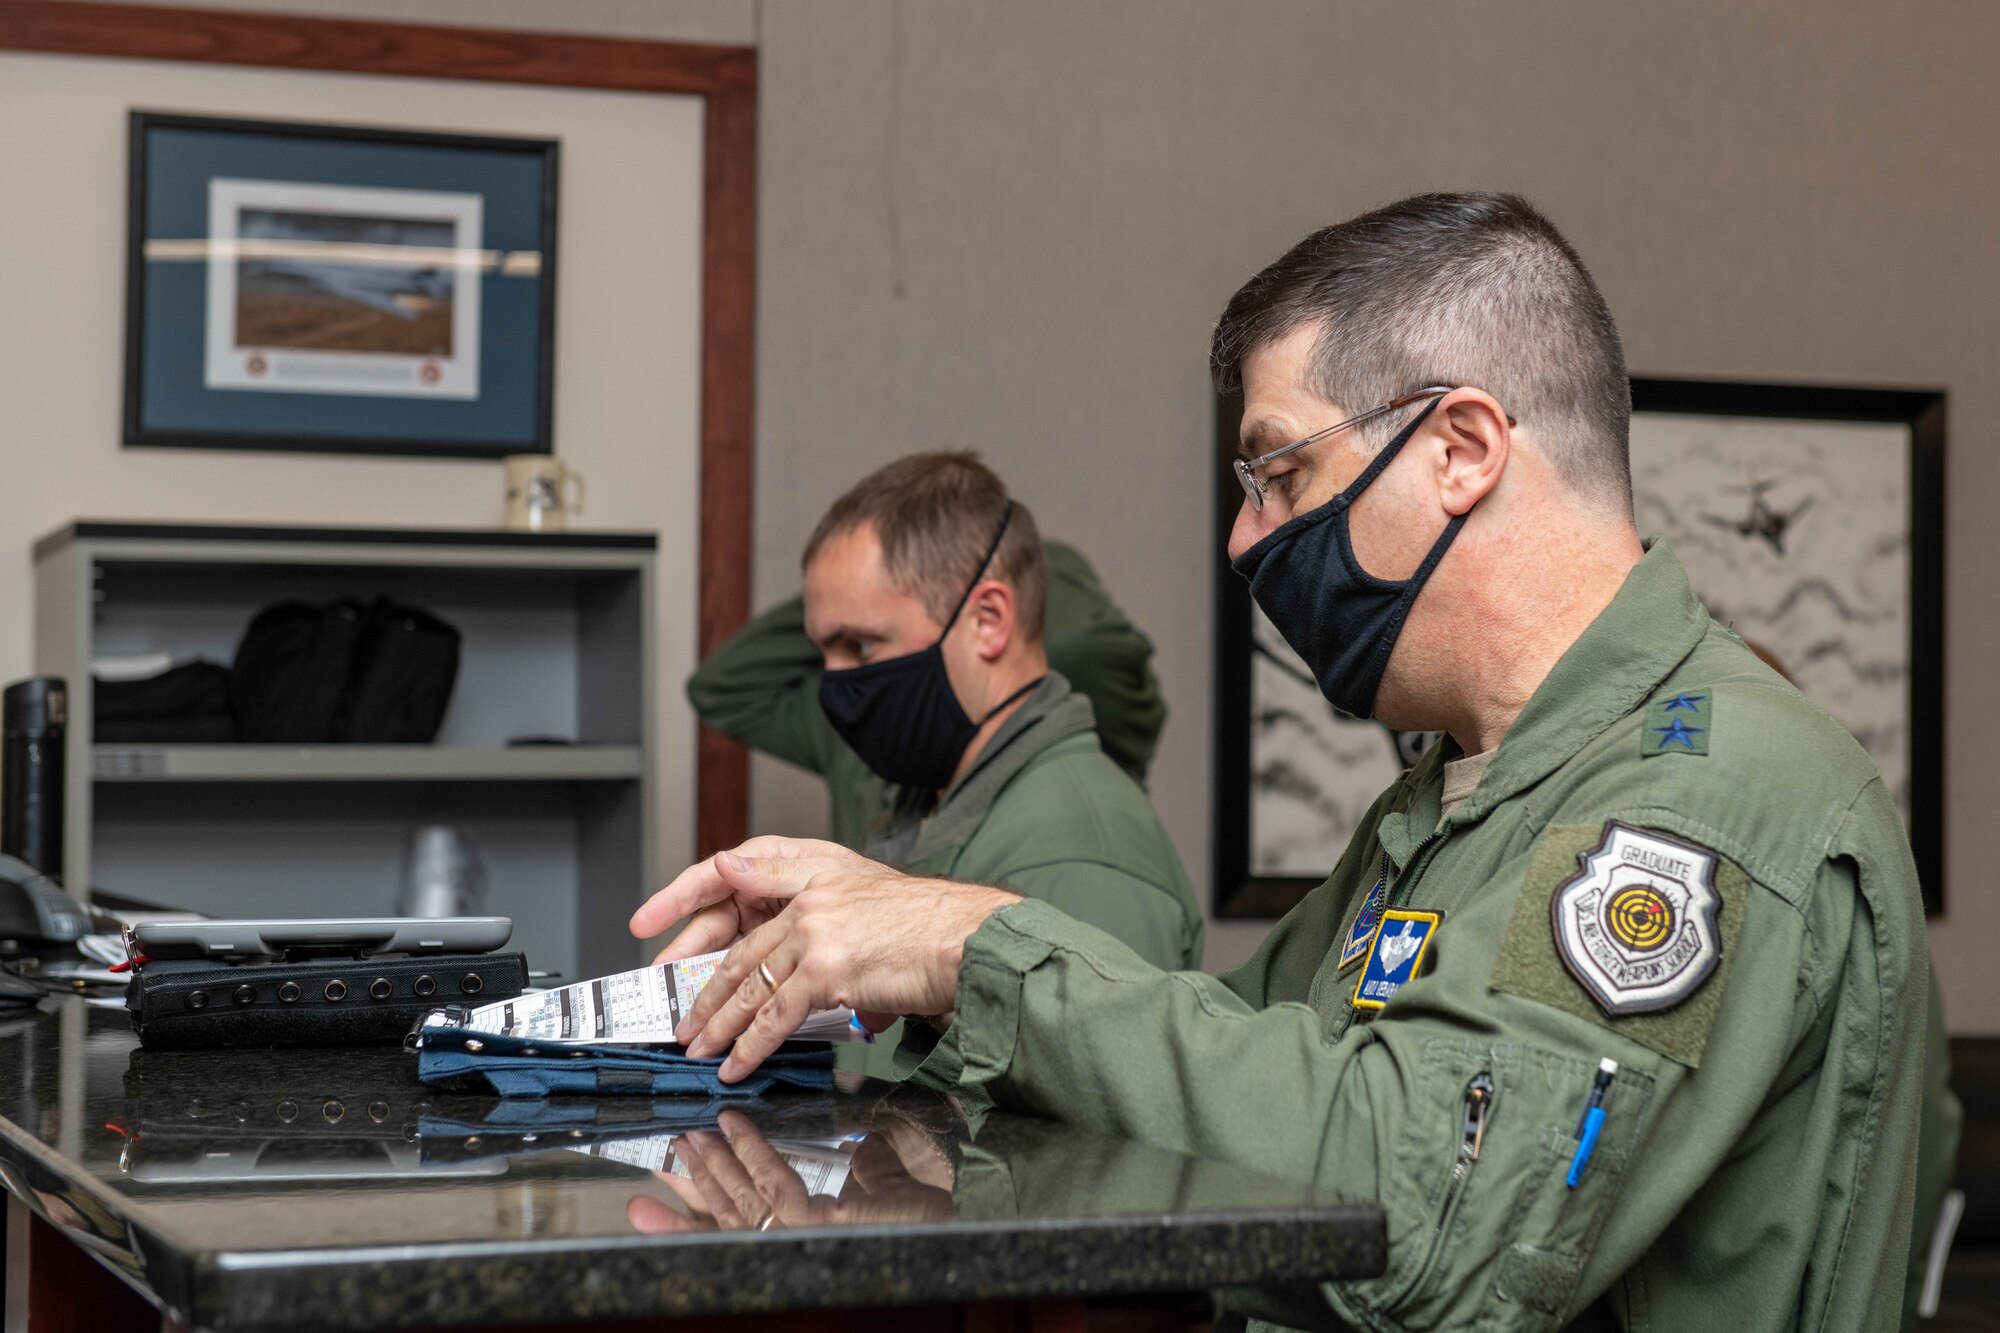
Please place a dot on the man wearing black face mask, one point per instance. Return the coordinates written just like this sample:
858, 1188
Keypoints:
918, 652
762, 688
1614, 1001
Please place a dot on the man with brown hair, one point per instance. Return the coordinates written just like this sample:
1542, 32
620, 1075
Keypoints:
914, 675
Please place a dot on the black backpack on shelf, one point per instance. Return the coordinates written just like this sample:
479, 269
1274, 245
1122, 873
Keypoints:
343, 672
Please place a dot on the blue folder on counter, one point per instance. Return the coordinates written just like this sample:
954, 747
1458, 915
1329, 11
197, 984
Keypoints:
520, 1125
530, 1067
587, 1117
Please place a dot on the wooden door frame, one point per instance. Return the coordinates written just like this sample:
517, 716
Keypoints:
725, 77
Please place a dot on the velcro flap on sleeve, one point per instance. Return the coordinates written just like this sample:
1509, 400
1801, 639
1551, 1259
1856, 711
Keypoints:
999, 955
1627, 927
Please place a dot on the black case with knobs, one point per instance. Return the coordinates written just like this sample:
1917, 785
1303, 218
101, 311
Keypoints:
188, 1005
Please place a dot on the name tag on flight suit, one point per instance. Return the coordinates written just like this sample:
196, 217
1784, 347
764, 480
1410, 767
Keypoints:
1400, 944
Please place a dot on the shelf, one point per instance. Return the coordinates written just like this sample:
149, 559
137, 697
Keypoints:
364, 763
104, 530
557, 639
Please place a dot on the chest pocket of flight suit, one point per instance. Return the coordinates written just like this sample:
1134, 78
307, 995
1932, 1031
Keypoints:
1484, 1230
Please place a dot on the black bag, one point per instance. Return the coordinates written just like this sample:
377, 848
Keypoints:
291, 671
405, 668
343, 672
188, 703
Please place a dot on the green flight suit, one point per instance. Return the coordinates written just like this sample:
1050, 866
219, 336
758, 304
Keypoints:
762, 688
1758, 1159
1044, 812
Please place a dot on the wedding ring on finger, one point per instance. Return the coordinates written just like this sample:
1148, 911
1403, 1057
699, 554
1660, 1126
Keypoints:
764, 971
770, 1218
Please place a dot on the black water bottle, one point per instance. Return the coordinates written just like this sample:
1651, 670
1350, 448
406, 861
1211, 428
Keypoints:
31, 772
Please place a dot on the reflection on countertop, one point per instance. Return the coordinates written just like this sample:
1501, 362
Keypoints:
329, 1188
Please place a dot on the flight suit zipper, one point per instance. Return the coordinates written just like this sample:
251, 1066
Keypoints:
1347, 1014
1475, 1109
1413, 868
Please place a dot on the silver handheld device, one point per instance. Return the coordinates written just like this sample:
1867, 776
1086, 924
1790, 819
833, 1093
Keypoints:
362, 936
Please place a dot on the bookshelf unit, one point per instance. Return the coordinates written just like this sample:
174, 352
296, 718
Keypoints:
557, 643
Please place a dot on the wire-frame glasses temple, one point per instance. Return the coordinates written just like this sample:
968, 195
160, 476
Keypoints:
1246, 469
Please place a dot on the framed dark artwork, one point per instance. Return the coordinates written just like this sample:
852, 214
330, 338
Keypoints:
1811, 521
339, 289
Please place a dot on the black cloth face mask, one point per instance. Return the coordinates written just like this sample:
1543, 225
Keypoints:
901, 715
1336, 615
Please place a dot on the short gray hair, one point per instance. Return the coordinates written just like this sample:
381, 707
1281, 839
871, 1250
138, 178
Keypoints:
1471, 289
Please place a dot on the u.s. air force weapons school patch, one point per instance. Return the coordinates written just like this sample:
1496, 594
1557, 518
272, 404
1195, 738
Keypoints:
1637, 924
1627, 927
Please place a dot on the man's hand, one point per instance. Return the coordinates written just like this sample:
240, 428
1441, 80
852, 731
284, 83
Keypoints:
723, 903
829, 928
737, 1181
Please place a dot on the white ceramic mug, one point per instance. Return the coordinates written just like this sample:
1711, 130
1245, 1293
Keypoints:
537, 495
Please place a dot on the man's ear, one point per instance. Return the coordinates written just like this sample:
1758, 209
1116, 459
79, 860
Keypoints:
991, 610
1476, 440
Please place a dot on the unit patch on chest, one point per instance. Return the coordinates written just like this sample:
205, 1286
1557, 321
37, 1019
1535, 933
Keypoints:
1627, 926
1363, 929
1398, 952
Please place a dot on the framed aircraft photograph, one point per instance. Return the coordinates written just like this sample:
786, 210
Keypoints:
337, 288
1811, 522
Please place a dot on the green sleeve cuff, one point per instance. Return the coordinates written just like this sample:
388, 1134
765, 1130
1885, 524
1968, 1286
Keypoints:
1011, 943
983, 1189
927, 1057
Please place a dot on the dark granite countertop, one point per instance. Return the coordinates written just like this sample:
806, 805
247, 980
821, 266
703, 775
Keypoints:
329, 1189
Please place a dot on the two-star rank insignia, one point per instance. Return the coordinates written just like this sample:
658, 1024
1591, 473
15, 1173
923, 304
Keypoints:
1678, 724
1400, 943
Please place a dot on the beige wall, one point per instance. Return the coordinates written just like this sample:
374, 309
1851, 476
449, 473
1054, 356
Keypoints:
1012, 226
1009, 224
627, 365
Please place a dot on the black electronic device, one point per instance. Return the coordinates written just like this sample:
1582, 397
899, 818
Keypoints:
16, 991
313, 1001
224, 1117
36, 716
283, 937
34, 907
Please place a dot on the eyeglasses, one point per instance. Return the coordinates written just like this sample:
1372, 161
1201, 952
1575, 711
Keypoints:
1246, 469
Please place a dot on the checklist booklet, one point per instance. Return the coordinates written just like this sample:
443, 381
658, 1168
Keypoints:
640, 1007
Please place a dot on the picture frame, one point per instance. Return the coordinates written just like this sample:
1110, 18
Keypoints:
1293, 778
339, 288
1858, 605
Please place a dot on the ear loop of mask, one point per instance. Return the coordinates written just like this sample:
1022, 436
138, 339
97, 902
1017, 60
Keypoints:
1384, 458
966, 596
992, 550
1415, 583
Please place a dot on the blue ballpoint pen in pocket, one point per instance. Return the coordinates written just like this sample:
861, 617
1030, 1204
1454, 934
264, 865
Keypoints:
1591, 1123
